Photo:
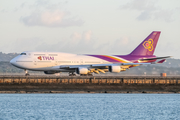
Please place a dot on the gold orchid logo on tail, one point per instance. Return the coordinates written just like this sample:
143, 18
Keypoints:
148, 44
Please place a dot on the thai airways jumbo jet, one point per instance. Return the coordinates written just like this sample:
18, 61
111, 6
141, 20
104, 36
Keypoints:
55, 62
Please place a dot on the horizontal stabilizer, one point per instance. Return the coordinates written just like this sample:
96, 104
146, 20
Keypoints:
154, 58
161, 61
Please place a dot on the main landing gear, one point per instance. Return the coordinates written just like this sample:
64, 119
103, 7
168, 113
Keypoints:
72, 74
26, 73
86, 75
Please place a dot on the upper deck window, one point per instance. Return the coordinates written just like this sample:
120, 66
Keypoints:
23, 54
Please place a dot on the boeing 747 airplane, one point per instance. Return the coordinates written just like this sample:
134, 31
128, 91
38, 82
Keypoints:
55, 62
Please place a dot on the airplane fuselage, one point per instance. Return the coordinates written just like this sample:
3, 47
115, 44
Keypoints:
43, 61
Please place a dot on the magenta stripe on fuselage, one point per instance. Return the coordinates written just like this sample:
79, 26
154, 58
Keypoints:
130, 58
105, 58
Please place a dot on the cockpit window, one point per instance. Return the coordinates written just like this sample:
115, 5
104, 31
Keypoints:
23, 54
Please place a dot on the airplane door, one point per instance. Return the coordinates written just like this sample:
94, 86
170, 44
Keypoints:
81, 62
35, 61
53, 59
29, 55
55, 62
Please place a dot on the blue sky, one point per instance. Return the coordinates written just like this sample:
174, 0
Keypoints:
91, 26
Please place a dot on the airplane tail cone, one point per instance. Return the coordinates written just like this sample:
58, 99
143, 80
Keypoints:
147, 47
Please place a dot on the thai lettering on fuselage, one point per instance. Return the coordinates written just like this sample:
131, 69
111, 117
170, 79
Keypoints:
46, 58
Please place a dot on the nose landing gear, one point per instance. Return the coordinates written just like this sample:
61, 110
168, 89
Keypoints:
26, 73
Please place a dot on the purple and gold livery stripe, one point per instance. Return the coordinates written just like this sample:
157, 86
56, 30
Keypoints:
109, 58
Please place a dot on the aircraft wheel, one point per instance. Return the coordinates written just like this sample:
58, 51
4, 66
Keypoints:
27, 74
72, 74
90, 75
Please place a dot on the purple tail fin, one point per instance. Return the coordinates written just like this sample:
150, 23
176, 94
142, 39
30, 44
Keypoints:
148, 46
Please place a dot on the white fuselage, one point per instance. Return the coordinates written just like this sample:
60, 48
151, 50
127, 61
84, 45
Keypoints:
51, 61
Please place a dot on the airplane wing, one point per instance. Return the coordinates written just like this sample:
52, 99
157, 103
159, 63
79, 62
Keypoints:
96, 68
120, 64
106, 65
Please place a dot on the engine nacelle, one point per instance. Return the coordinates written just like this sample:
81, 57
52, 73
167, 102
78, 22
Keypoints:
81, 70
50, 72
114, 69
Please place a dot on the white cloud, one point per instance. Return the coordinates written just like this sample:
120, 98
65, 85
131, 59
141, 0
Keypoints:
51, 18
166, 15
76, 36
25, 44
78, 43
149, 11
87, 35
121, 46
45, 13
145, 15
125, 40
140, 5
23, 5
4, 11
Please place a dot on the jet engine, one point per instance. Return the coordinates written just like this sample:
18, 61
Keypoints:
114, 69
81, 70
50, 72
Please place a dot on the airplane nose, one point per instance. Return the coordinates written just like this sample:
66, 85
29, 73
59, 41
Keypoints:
12, 61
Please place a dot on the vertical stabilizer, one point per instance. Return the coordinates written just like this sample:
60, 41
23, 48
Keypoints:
148, 46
